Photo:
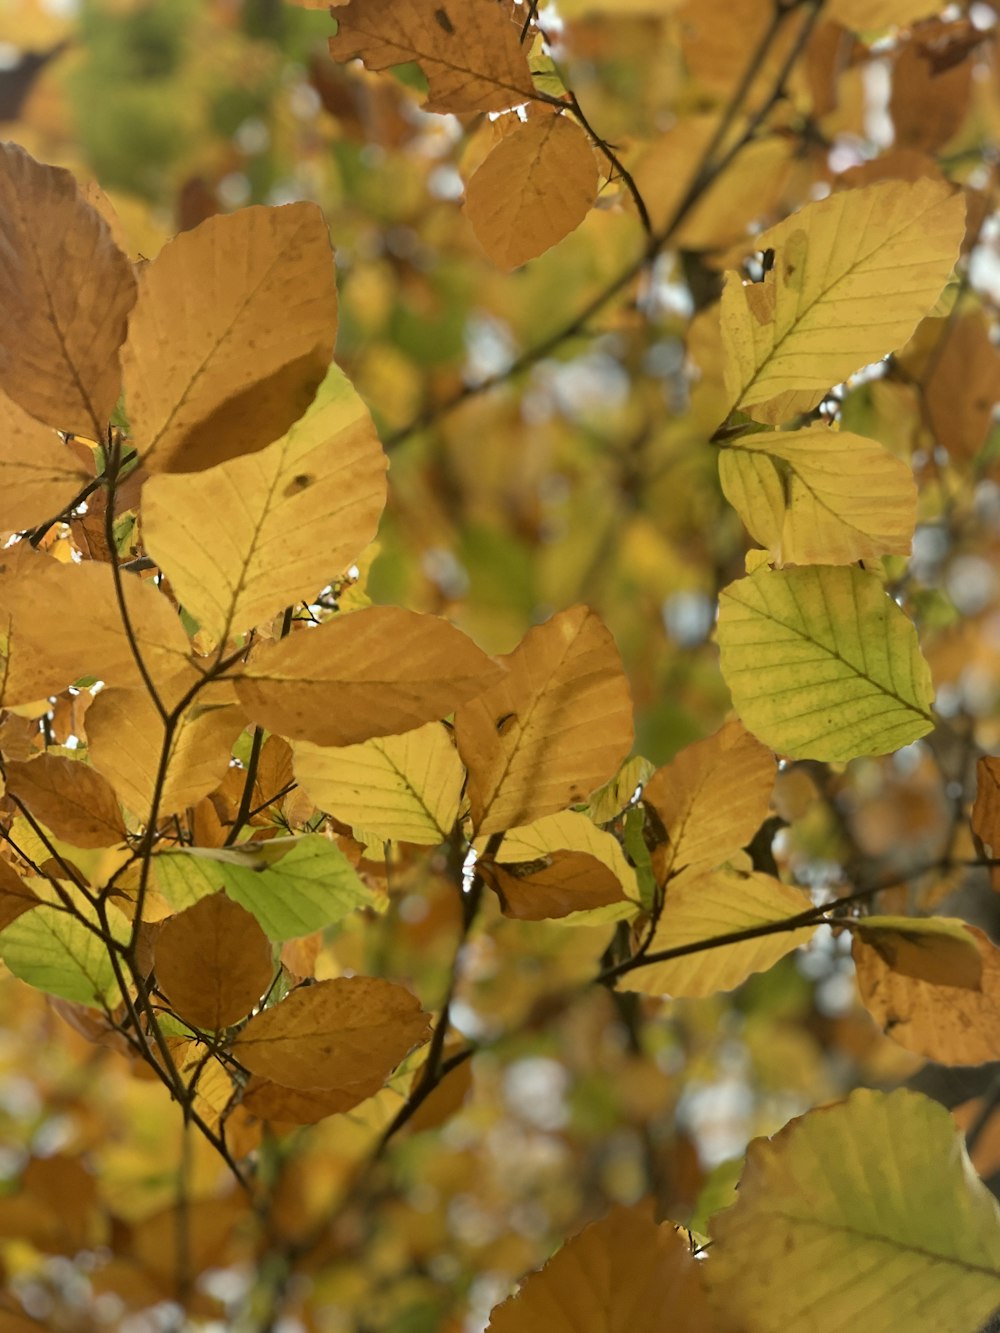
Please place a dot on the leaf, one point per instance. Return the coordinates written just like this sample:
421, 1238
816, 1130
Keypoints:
867, 1210
534, 188
242, 540
570, 831
57, 953
554, 885
39, 475
822, 664
852, 275
404, 787
985, 818
333, 1034
63, 622
297, 1106
711, 798
126, 736
469, 50
232, 335
819, 496
624, 1272
70, 798
15, 895
554, 728
293, 886
66, 291
936, 949
214, 963
702, 906
370, 673
874, 15
955, 1025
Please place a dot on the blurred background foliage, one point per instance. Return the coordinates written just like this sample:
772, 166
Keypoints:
584, 476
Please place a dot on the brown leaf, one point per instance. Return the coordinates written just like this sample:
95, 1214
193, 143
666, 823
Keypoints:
534, 188
333, 1035
928, 102
39, 475
624, 1272
560, 883
371, 673
66, 291
213, 962
986, 808
952, 1024
70, 798
553, 729
711, 798
15, 896
470, 50
231, 337
939, 950
305, 1106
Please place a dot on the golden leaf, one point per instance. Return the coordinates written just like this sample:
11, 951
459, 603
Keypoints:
213, 962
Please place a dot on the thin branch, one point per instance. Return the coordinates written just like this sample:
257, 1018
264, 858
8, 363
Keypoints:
243, 814
529, 20
617, 166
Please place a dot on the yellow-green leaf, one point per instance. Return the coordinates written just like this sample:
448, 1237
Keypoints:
53, 949
242, 540
822, 664
852, 275
820, 496
406, 787
938, 949
866, 1214
701, 907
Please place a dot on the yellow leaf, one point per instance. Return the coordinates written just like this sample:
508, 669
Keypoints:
371, 673
81, 631
940, 950
711, 798
554, 885
69, 798
953, 1024
39, 476
242, 540
702, 906
126, 736
231, 336
571, 831
404, 787
66, 292
213, 962
334, 1034
820, 496
873, 15
469, 50
554, 728
536, 185
624, 1272
822, 664
852, 275
863, 1214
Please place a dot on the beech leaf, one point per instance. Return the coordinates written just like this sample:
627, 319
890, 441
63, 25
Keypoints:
71, 799
822, 664
371, 673
333, 1034
213, 961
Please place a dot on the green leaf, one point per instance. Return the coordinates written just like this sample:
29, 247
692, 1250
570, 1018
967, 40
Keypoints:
56, 952
311, 884
822, 664
864, 1215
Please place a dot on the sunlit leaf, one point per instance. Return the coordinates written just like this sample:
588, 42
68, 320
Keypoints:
822, 664
70, 798
66, 291
231, 336
819, 496
703, 906
54, 949
242, 540
868, 1209
371, 673
555, 727
469, 51
936, 949
39, 475
554, 885
292, 886
853, 274
404, 787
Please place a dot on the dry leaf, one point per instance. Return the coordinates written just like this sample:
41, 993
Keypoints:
213, 962
71, 799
